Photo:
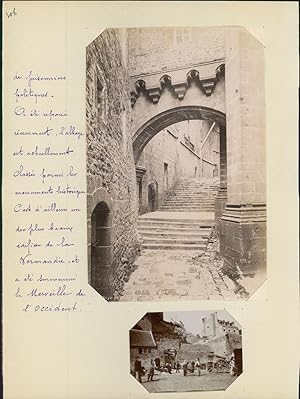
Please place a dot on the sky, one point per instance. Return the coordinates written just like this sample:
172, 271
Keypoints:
193, 320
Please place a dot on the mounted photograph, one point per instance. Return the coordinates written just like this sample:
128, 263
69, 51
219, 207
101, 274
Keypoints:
176, 177
186, 351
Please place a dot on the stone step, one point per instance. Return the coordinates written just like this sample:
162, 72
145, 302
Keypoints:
185, 203
146, 228
187, 206
194, 192
197, 189
190, 198
184, 193
190, 203
162, 240
191, 224
176, 236
191, 185
198, 248
203, 209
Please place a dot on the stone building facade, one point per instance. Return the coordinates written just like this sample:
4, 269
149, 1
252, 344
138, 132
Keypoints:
222, 336
167, 336
112, 207
212, 326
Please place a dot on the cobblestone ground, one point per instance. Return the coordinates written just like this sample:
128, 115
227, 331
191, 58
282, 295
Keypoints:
162, 275
192, 382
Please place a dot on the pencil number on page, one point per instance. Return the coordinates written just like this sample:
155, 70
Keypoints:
12, 13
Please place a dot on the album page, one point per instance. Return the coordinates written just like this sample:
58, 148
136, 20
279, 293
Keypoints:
150, 200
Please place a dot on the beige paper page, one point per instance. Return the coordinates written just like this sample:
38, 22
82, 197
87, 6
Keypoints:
61, 339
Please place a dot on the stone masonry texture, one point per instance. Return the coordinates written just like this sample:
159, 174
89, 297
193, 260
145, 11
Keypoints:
110, 167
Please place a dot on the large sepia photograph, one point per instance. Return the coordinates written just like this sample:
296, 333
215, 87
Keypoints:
176, 182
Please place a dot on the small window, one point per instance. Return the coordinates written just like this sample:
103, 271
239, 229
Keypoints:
140, 350
149, 350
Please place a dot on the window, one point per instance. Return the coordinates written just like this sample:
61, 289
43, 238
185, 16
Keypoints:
140, 350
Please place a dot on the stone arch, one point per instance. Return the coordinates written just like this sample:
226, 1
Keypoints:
152, 196
166, 118
100, 239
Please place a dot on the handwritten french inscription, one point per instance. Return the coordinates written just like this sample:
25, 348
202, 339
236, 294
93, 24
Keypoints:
47, 194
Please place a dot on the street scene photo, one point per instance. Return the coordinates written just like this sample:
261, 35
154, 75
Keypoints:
186, 351
176, 185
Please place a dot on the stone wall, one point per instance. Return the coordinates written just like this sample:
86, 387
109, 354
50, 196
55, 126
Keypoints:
110, 166
210, 326
152, 49
145, 357
224, 345
174, 53
164, 343
243, 224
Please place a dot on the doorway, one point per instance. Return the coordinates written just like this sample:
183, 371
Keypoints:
101, 245
152, 197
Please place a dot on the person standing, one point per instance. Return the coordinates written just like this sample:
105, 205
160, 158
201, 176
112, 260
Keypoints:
192, 366
177, 367
184, 367
232, 365
151, 371
198, 366
138, 369
169, 368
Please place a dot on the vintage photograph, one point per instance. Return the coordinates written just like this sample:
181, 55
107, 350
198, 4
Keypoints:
186, 351
176, 181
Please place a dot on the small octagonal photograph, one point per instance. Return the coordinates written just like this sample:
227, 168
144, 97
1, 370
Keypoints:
186, 351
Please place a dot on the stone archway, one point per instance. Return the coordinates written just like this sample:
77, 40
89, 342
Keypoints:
173, 115
178, 114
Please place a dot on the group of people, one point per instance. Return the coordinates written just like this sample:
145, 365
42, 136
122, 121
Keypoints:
139, 370
191, 366
187, 366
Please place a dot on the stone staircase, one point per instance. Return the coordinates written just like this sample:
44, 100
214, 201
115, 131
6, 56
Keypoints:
184, 221
192, 195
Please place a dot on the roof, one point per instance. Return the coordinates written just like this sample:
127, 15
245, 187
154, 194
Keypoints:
140, 338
